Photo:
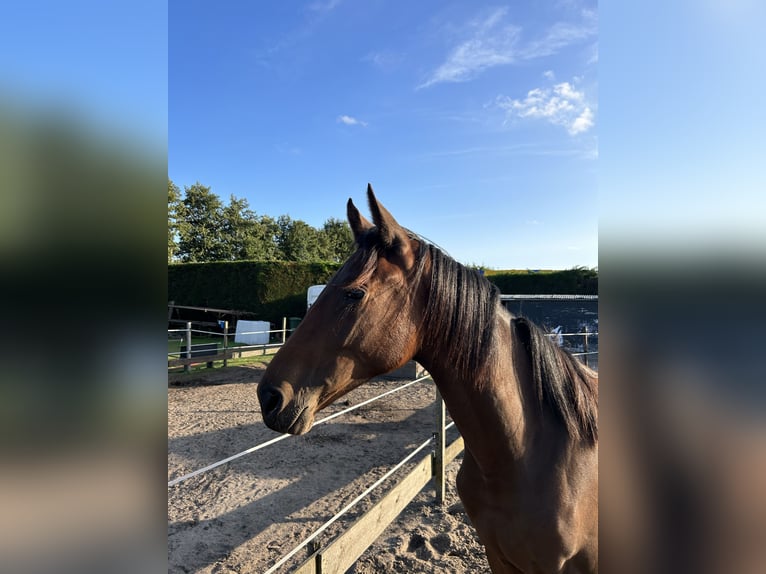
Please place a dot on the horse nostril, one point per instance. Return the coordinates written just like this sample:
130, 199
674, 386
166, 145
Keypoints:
271, 400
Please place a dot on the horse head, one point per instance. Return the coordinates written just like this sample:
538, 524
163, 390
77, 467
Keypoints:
365, 323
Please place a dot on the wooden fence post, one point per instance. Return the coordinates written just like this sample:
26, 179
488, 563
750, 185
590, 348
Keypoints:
440, 440
225, 343
187, 366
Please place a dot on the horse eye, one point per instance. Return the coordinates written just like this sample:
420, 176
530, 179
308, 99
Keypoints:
355, 294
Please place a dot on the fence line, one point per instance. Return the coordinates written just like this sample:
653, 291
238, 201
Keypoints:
286, 435
230, 349
585, 334
205, 355
242, 347
346, 508
217, 334
580, 334
551, 297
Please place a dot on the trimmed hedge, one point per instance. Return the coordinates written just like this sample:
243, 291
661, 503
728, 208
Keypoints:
275, 289
577, 281
269, 289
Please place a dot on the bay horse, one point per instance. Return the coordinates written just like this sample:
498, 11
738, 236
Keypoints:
527, 410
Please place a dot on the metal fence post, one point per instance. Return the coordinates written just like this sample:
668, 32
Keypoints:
439, 446
187, 366
225, 343
284, 329
585, 343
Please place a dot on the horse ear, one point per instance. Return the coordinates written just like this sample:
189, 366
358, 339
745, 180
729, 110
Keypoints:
359, 225
392, 235
387, 226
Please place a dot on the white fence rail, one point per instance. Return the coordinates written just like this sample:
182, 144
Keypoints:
286, 435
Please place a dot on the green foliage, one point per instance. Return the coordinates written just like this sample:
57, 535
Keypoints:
246, 236
576, 281
201, 229
270, 289
297, 240
175, 214
337, 240
200, 232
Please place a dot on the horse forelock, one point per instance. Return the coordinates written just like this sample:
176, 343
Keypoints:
363, 263
562, 384
358, 269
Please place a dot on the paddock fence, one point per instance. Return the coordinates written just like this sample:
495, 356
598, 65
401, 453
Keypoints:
222, 348
345, 549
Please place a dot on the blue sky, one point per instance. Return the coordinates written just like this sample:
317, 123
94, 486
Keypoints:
475, 122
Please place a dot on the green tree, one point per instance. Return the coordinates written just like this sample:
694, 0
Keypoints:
297, 240
201, 228
200, 234
238, 230
268, 232
337, 240
246, 236
175, 217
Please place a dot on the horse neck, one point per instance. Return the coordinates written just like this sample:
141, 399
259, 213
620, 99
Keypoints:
490, 410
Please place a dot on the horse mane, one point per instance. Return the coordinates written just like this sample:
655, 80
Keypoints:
461, 304
561, 381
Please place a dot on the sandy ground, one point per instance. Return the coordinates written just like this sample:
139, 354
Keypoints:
243, 516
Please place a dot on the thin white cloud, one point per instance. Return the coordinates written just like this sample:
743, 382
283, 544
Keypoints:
384, 60
561, 105
325, 6
350, 121
491, 44
287, 149
494, 41
593, 57
560, 35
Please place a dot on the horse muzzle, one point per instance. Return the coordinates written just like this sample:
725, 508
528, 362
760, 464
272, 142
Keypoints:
283, 415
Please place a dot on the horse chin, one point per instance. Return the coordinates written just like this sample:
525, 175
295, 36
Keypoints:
303, 423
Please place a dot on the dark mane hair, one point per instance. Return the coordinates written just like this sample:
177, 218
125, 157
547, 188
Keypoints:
459, 321
460, 314
561, 382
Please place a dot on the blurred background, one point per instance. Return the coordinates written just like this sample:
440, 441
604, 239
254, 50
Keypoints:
682, 261
83, 123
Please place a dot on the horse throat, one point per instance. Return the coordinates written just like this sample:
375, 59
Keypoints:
489, 405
